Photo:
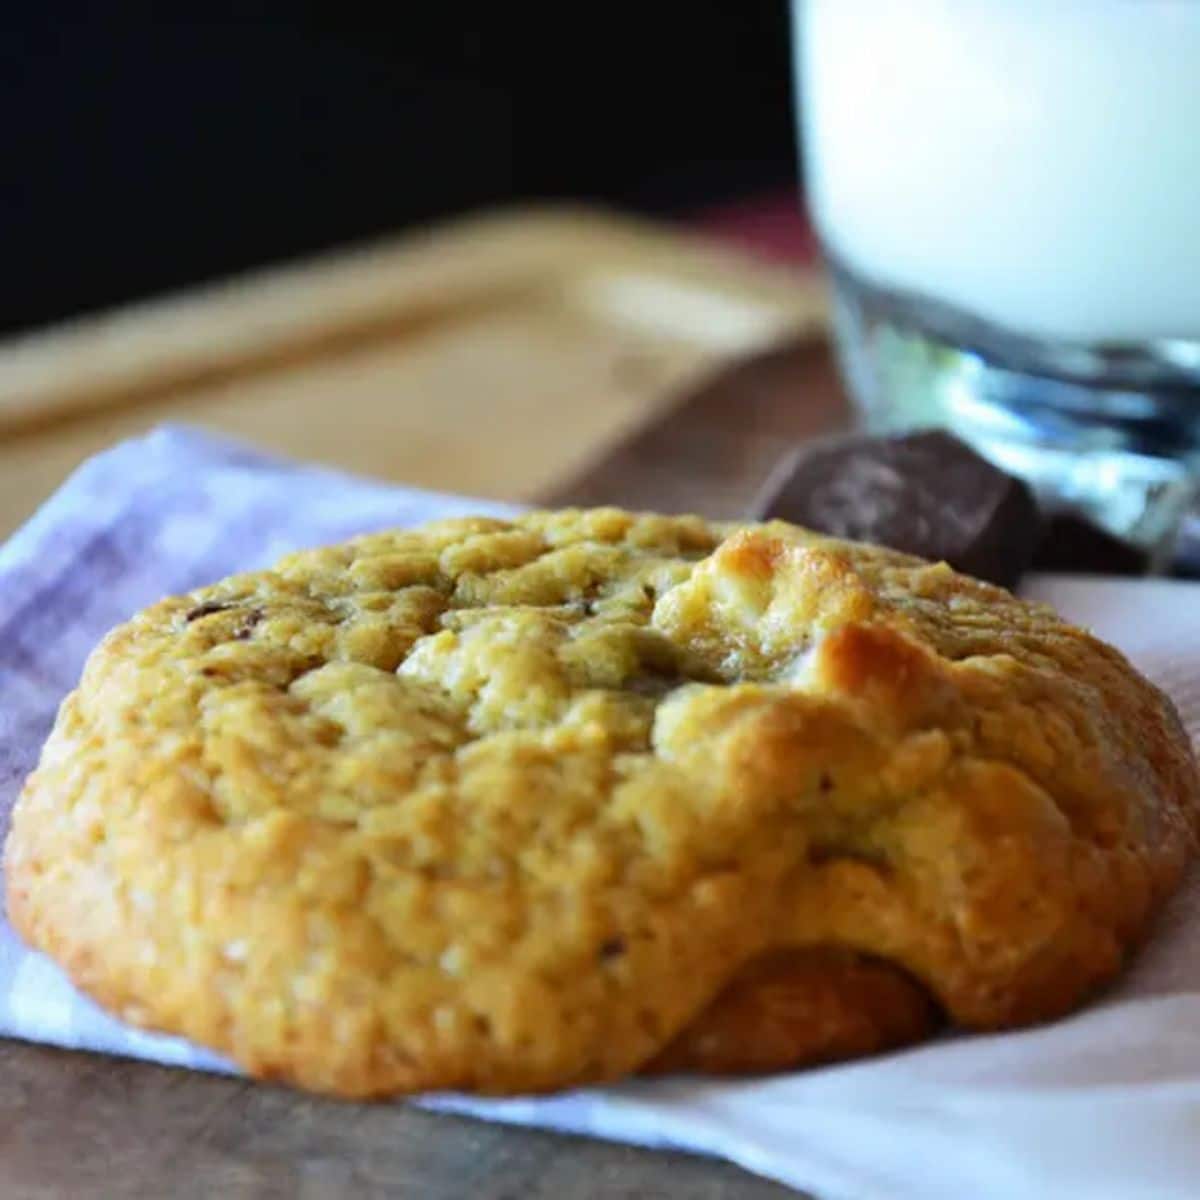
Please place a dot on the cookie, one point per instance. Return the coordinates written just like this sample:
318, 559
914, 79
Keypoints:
517, 806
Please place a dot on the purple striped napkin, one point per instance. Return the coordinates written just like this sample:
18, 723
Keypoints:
1105, 1104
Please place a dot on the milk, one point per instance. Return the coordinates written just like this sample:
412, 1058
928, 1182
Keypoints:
1033, 162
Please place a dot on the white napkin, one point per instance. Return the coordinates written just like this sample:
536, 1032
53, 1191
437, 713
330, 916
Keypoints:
1103, 1105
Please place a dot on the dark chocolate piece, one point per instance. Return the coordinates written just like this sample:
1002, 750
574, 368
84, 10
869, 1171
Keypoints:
613, 948
253, 618
924, 493
1072, 544
205, 610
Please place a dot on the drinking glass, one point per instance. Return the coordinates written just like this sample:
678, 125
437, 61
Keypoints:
1007, 195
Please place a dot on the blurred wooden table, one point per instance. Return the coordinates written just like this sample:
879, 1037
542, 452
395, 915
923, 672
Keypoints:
569, 377
495, 357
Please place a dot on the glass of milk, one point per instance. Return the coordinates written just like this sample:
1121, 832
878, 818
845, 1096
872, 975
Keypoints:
1007, 193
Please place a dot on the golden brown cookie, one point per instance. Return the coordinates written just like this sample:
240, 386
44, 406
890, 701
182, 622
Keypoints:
514, 806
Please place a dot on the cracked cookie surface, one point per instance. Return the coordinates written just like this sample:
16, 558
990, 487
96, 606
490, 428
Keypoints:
515, 806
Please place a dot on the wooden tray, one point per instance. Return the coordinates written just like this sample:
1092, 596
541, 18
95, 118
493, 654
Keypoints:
495, 357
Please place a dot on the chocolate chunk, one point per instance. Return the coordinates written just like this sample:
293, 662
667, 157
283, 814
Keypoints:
205, 610
1072, 544
249, 622
613, 948
924, 493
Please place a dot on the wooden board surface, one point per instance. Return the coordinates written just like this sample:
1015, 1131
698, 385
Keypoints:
712, 449
494, 357
77, 1126
80, 1125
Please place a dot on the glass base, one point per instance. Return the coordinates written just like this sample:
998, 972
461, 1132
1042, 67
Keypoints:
1109, 431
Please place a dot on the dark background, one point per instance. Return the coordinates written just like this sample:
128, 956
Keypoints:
143, 153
